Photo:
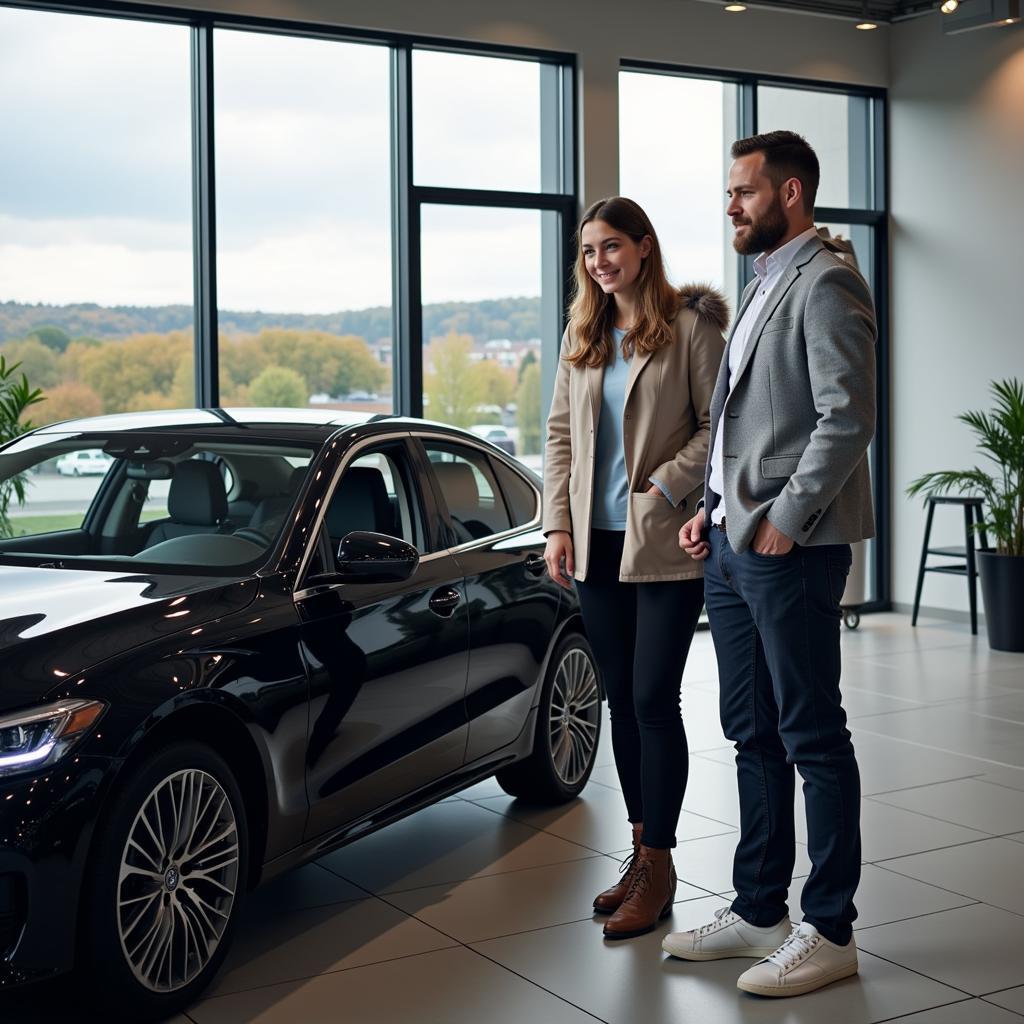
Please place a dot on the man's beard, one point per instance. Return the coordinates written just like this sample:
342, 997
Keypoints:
765, 233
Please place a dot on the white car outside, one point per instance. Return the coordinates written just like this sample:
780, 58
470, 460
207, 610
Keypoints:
87, 462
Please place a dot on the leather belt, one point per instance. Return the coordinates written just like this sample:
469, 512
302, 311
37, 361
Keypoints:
720, 526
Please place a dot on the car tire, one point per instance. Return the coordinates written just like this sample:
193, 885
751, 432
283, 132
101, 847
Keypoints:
165, 885
567, 732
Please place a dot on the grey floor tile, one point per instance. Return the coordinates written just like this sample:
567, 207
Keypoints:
997, 810
634, 981
707, 863
884, 897
313, 942
860, 703
1010, 777
486, 908
989, 871
489, 787
976, 1011
955, 730
966, 948
928, 677
1011, 999
447, 843
300, 889
975, 658
888, 831
597, 820
453, 986
888, 764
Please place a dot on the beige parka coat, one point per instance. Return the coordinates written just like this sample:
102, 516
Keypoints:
666, 430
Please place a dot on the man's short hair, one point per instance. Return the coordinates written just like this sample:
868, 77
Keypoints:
786, 155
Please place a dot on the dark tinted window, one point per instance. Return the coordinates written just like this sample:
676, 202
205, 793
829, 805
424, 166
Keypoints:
520, 497
470, 490
374, 495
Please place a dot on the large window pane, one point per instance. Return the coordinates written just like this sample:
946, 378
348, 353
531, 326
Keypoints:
482, 321
679, 179
837, 127
95, 211
303, 222
477, 121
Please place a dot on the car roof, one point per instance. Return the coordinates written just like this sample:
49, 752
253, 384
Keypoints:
300, 425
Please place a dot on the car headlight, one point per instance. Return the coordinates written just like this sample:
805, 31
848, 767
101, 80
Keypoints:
38, 737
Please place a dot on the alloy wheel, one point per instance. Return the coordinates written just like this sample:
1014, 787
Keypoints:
574, 716
178, 880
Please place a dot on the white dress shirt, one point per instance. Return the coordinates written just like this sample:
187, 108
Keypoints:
769, 270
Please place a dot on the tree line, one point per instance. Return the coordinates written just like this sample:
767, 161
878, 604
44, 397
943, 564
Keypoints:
279, 367
515, 318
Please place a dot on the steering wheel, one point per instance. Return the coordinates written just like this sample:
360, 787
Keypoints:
253, 535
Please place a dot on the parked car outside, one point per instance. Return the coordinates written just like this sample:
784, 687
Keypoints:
85, 462
497, 435
339, 620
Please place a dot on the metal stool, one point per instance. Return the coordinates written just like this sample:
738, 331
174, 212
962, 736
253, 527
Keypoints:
972, 514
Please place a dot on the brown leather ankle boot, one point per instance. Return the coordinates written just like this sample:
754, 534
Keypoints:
611, 899
649, 898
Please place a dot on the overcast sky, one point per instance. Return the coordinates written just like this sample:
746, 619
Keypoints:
95, 184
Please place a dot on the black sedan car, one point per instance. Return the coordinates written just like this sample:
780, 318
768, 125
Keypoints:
259, 635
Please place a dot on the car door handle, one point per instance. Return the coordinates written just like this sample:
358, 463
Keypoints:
443, 602
535, 564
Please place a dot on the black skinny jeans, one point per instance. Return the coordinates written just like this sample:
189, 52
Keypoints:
640, 634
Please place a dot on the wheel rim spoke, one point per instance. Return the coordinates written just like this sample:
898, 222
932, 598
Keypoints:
574, 718
178, 880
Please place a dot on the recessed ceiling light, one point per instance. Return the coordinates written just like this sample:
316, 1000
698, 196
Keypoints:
866, 26
735, 8
949, 6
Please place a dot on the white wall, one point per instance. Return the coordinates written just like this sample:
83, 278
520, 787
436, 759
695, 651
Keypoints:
601, 33
957, 200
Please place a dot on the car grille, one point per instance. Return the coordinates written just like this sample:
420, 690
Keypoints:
12, 911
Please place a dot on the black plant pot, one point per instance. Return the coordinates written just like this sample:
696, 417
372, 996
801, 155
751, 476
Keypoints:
1002, 588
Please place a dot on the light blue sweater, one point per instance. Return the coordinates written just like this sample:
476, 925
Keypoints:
611, 485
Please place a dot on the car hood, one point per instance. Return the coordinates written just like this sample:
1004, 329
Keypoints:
56, 625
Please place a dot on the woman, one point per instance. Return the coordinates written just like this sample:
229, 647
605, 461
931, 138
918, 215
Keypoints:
627, 440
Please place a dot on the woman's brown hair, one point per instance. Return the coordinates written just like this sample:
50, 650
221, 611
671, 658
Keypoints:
592, 313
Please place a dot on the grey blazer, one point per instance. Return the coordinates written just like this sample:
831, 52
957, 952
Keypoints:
801, 414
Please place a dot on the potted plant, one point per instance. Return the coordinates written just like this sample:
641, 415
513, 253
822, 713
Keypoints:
15, 397
1001, 439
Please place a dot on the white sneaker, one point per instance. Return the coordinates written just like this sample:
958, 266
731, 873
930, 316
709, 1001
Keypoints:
804, 962
727, 936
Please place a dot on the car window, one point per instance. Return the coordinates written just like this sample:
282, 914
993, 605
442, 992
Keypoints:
165, 499
58, 492
520, 497
470, 491
375, 494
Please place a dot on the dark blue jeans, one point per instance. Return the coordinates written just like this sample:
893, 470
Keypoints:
775, 623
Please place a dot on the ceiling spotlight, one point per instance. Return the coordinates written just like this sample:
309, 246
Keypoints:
866, 26
949, 6
735, 8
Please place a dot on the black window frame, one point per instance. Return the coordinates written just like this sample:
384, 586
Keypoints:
876, 218
558, 159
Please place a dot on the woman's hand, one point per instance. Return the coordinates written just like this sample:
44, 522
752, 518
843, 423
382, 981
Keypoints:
557, 550
655, 489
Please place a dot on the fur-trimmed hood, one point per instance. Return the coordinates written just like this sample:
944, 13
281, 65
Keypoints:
707, 302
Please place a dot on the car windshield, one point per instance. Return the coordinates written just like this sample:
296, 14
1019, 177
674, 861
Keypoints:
159, 501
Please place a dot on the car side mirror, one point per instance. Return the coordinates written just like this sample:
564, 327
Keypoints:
375, 558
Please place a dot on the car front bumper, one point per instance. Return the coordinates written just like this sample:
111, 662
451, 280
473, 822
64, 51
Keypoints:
46, 823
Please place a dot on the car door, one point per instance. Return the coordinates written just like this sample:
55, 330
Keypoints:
387, 662
493, 511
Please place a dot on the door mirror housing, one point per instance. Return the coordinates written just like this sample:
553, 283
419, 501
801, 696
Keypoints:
374, 558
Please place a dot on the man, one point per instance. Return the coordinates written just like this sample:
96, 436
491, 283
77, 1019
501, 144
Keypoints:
787, 491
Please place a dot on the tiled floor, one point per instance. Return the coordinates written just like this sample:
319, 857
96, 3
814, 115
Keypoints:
477, 909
